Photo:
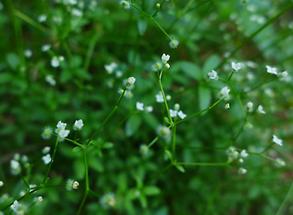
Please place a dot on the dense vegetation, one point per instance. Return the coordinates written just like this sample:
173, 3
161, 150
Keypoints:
146, 107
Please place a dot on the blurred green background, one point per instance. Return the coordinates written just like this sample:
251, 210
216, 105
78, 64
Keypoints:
90, 34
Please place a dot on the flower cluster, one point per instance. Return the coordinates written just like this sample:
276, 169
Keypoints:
176, 112
163, 64
46, 156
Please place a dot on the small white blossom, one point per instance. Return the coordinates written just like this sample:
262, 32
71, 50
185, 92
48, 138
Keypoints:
139, 106
164, 132
159, 97
47, 159
277, 140
15, 167
75, 185
50, 80
108, 200
165, 58
236, 66
130, 82
125, 4
55, 62
15, 207
227, 106
60, 125
110, 67
213, 75
280, 162
232, 153
243, 153
1, 183
157, 66
284, 76
38, 199
173, 44
46, 48
78, 124
261, 110
181, 115
149, 109
242, 171
62, 134
249, 106
224, 93
42, 18
173, 113
46, 150
28, 53
272, 70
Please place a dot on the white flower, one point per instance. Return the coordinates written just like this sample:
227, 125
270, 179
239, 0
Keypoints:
75, 185
130, 82
173, 44
38, 199
177, 106
149, 109
15, 167
108, 200
280, 162
61, 125
224, 93
125, 4
277, 140
173, 113
47, 159
78, 124
165, 58
236, 66
46, 150
249, 106
242, 171
1, 183
181, 115
55, 62
159, 97
243, 153
232, 153
261, 110
284, 76
110, 67
46, 48
272, 70
28, 53
15, 207
62, 134
157, 66
167, 65
227, 106
139, 106
42, 18
50, 80
213, 75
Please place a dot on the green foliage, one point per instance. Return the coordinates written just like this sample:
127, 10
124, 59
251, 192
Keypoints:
183, 150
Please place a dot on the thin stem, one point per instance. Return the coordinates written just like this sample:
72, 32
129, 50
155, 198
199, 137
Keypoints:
164, 97
52, 160
87, 185
151, 18
199, 112
90, 51
174, 140
204, 163
153, 141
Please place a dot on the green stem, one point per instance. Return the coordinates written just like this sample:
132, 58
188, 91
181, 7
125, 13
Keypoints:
87, 185
199, 112
51, 163
151, 18
204, 163
165, 99
174, 140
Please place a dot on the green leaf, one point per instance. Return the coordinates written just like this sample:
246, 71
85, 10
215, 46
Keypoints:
204, 97
142, 26
190, 69
132, 125
151, 191
180, 168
